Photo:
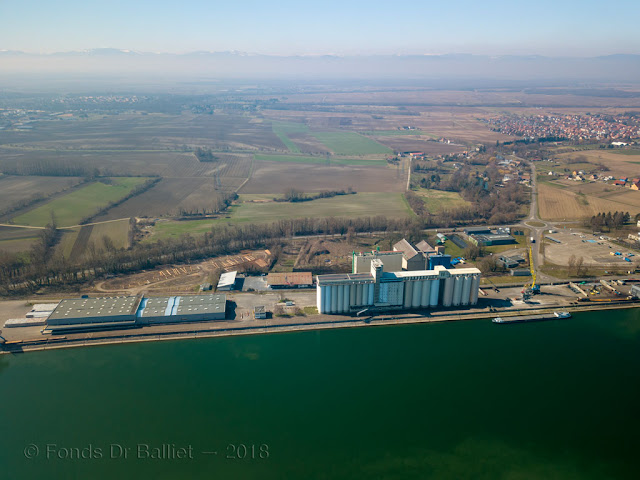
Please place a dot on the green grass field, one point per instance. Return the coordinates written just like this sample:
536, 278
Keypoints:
117, 231
66, 242
436, 201
175, 228
318, 160
360, 204
283, 129
73, 207
395, 133
350, 143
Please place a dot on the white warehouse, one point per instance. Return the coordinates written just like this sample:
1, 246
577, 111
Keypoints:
378, 290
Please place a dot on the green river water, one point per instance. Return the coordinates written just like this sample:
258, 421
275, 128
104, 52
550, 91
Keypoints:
457, 400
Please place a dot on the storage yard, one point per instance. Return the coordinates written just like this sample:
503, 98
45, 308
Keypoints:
596, 250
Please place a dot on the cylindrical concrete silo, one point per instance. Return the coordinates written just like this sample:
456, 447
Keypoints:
416, 296
371, 300
475, 286
426, 290
320, 291
340, 298
334, 299
447, 298
435, 292
345, 299
457, 290
408, 295
326, 298
466, 289
352, 295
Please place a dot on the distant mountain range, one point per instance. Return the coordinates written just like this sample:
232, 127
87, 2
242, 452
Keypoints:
228, 65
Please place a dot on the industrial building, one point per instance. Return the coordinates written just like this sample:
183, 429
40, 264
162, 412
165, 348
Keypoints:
404, 256
391, 261
379, 290
123, 312
290, 280
476, 230
227, 281
489, 239
411, 258
188, 308
425, 249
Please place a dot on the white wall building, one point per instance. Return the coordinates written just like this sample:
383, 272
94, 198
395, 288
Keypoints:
379, 290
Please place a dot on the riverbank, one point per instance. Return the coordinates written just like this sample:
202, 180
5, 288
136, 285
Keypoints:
280, 325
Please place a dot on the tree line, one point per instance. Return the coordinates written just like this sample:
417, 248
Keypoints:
205, 155
45, 266
294, 195
610, 221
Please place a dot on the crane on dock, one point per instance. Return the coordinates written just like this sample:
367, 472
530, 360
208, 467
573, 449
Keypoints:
533, 288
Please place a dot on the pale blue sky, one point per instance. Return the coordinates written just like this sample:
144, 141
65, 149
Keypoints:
285, 27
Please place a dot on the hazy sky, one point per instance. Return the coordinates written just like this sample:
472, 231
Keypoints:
545, 27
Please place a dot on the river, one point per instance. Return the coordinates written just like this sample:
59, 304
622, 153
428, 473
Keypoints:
452, 400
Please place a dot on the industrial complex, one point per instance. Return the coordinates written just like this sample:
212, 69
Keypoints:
426, 280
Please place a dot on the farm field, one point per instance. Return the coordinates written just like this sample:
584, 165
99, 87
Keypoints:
74, 242
562, 204
350, 143
167, 197
421, 144
14, 239
254, 208
15, 189
153, 132
393, 133
320, 160
258, 208
70, 209
605, 191
460, 123
619, 164
108, 163
275, 177
437, 201
176, 228
284, 130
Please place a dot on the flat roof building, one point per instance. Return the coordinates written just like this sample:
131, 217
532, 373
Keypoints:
486, 240
186, 308
227, 281
123, 312
361, 261
95, 310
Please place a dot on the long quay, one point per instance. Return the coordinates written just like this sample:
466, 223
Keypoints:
531, 318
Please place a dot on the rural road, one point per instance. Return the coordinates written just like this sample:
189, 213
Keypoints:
61, 228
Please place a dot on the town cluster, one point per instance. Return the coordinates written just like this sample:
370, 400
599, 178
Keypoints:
99, 99
571, 127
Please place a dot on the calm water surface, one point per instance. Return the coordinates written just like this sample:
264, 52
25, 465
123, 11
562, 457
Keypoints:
458, 400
